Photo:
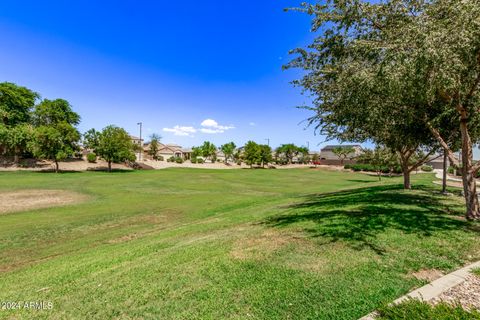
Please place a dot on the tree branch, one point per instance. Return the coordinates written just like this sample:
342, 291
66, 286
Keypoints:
453, 160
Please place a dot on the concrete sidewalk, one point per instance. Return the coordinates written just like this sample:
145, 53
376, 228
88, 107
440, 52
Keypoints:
434, 288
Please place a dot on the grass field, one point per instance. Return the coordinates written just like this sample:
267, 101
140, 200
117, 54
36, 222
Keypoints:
226, 244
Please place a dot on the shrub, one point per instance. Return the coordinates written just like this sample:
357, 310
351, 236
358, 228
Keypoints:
194, 160
178, 160
159, 158
450, 170
91, 157
427, 168
200, 160
347, 166
239, 163
171, 159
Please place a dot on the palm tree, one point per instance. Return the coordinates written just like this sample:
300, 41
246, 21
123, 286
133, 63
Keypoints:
228, 149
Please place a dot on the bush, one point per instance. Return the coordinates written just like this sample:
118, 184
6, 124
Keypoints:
178, 160
371, 168
91, 157
427, 168
171, 159
239, 163
194, 160
450, 170
200, 160
160, 158
347, 166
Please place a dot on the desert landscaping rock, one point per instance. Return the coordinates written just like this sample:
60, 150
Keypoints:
467, 294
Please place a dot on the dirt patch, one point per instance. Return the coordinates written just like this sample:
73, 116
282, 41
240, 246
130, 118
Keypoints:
263, 245
23, 200
428, 274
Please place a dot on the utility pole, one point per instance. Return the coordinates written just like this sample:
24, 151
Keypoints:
141, 144
268, 141
308, 145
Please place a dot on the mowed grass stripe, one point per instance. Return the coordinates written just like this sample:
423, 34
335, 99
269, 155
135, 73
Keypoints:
234, 244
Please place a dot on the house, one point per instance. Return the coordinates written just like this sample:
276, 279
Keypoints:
328, 157
167, 151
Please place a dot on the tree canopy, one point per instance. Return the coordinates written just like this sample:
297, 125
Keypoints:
115, 145
401, 73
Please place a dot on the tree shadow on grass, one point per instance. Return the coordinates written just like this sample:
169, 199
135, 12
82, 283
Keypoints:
358, 216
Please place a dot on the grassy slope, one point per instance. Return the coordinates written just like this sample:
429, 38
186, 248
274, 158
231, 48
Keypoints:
186, 243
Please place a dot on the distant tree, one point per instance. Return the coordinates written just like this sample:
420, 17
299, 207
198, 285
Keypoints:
343, 152
154, 145
315, 159
56, 137
55, 143
209, 150
288, 151
264, 154
305, 154
91, 139
115, 145
251, 153
16, 104
196, 152
228, 149
380, 158
18, 139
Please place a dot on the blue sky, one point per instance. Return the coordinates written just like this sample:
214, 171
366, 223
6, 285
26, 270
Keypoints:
190, 71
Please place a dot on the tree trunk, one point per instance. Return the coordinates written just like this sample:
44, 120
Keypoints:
16, 157
406, 180
468, 175
404, 159
109, 166
445, 169
56, 166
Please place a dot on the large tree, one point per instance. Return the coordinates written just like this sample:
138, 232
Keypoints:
355, 97
56, 137
16, 104
115, 145
412, 65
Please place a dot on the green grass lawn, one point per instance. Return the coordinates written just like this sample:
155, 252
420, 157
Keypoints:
226, 244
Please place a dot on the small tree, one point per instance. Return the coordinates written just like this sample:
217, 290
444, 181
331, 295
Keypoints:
228, 149
16, 104
55, 143
55, 137
315, 159
115, 145
154, 145
91, 139
288, 151
251, 153
343, 152
209, 150
265, 154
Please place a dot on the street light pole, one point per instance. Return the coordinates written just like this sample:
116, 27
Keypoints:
308, 145
141, 144
268, 141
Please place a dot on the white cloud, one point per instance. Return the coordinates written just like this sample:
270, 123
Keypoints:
181, 131
252, 124
211, 126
